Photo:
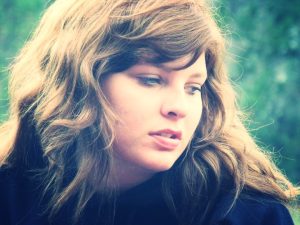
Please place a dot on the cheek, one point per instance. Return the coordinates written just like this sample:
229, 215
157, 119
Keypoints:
130, 114
132, 120
132, 108
194, 120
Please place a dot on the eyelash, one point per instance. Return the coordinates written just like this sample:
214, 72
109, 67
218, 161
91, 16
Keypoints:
153, 81
193, 89
149, 81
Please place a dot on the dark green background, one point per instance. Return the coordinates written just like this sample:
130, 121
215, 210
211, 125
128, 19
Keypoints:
264, 60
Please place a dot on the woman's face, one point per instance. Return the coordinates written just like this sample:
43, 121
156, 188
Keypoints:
159, 109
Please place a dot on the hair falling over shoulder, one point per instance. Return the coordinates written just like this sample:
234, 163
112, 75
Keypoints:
56, 93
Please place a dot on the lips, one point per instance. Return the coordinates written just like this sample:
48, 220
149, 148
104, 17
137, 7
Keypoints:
166, 139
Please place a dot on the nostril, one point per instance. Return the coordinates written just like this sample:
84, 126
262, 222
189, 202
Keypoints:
172, 114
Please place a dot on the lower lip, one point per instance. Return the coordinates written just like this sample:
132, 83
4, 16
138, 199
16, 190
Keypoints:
165, 143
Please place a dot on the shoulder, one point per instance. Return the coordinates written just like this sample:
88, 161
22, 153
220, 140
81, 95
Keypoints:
252, 209
19, 197
9, 180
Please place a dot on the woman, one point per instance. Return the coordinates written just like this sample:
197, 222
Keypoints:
122, 113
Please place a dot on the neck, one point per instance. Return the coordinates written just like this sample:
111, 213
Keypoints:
124, 178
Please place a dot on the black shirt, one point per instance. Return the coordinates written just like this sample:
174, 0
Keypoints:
142, 205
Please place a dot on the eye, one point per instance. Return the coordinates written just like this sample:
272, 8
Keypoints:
149, 81
193, 89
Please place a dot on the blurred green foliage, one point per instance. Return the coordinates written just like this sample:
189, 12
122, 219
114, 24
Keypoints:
17, 20
296, 216
265, 62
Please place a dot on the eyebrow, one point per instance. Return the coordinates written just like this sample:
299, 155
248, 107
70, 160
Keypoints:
197, 75
167, 69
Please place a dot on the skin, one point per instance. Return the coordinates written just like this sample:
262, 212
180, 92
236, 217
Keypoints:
149, 98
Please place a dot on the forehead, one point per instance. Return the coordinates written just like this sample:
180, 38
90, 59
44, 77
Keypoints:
182, 62
197, 69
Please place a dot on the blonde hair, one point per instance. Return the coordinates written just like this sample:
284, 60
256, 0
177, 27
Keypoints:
56, 94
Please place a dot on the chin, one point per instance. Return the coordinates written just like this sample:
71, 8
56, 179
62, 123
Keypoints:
159, 164
160, 167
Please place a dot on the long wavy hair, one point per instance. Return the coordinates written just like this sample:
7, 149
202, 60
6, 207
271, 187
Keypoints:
57, 103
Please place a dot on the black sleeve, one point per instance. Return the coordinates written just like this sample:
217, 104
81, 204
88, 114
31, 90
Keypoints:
258, 211
18, 200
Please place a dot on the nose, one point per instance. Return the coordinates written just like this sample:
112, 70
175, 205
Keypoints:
174, 106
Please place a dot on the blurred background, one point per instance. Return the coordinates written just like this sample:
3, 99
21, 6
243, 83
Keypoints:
264, 62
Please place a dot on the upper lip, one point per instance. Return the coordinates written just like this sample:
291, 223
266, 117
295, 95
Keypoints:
174, 134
